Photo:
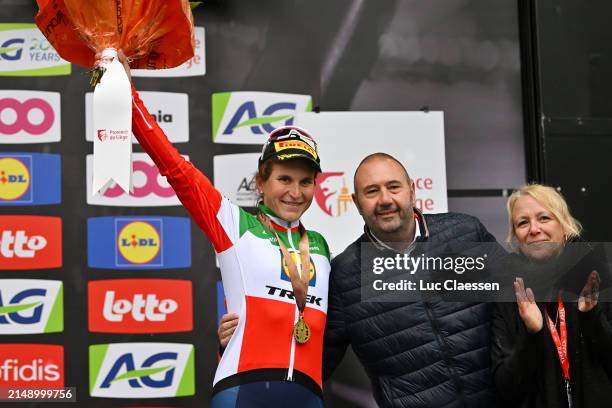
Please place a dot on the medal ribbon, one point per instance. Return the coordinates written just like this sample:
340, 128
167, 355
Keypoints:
561, 344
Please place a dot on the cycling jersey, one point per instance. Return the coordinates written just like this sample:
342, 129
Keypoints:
256, 283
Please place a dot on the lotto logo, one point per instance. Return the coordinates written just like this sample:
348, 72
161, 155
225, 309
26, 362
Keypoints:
150, 188
31, 366
30, 242
29, 179
139, 243
30, 306
140, 306
141, 370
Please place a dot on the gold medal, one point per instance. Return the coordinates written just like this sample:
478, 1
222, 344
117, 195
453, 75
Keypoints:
301, 331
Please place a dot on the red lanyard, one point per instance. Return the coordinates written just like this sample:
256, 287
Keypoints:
560, 341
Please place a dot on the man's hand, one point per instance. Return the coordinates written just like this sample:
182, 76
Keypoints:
227, 326
590, 293
527, 307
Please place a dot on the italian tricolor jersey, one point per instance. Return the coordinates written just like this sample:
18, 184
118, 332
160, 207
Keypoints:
255, 279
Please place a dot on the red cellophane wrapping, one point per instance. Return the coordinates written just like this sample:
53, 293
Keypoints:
153, 34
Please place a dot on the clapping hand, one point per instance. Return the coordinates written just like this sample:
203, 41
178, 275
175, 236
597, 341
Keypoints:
527, 307
590, 293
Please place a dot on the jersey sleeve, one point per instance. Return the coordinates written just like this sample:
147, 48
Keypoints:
213, 213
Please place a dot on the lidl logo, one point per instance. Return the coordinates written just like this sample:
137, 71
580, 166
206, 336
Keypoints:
286, 274
141, 370
248, 117
29, 117
31, 306
140, 305
31, 366
29, 179
332, 194
150, 188
139, 243
30, 242
24, 51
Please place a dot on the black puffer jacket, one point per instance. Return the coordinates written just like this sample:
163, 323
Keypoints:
419, 354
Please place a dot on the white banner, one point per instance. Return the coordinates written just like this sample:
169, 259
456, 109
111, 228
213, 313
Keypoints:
194, 67
169, 109
29, 117
344, 138
235, 177
151, 189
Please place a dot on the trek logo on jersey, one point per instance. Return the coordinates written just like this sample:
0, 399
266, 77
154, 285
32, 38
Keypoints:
139, 242
150, 188
140, 306
195, 66
286, 274
31, 366
332, 194
169, 109
248, 117
141, 370
29, 117
30, 179
30, 242
285, 293
24, 51
31, 306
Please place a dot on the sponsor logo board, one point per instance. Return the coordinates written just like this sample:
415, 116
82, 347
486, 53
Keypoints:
248, 117
141, 370
31, 366
24, 51
30, 242
31, 306
169, 109
150, 188
140, 306
30, 179
194, 67
139, 242
29, 117
235, 177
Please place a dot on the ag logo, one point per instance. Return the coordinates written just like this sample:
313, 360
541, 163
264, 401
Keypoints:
30, 306
15, 178
286, 274
141, 370
332, 194
139, 242
247, 117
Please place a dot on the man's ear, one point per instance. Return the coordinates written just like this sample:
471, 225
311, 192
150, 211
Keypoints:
354, 197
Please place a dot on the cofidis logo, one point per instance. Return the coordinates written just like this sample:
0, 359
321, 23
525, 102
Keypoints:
31, 366
29, 117
30, 179
24, 51
139, 242
30, 306
30, 242
150, 188
140, 306
141, 370
248, 117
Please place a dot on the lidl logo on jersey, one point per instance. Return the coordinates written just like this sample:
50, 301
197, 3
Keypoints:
140, 306
30, 179
29, 117
31, 366
332, 194
286, 274
139, 243
30, 242
30, 306
141, 370
150, 188
24, 51
169, 109
248, 117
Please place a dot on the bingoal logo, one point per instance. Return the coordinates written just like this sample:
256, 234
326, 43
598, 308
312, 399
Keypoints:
31, 365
